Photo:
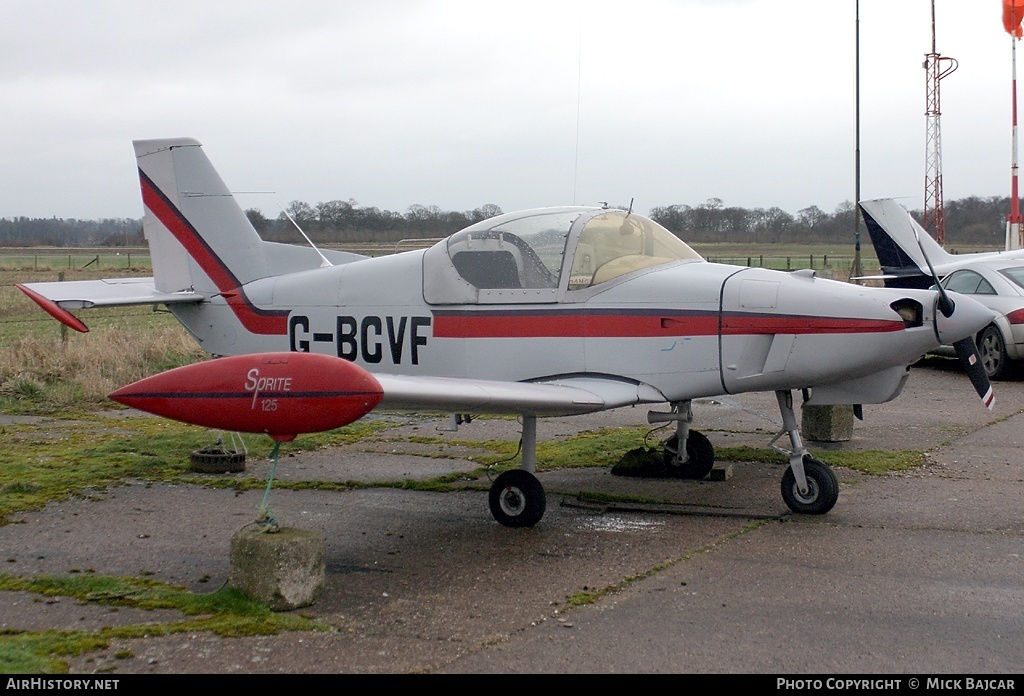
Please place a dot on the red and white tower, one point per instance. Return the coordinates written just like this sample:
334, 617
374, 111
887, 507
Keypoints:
937, 67
1013, 12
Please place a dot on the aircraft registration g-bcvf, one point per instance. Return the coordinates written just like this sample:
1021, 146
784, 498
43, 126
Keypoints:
540, 313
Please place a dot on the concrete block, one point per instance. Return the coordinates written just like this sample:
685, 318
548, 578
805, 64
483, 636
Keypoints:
721, 473
284, 569
827, 423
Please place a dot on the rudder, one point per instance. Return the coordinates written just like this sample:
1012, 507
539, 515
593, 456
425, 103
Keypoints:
199, 237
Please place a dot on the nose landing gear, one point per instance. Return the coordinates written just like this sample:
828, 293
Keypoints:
809, 486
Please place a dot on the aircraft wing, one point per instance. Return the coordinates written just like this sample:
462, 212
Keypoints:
564, 396
57, 298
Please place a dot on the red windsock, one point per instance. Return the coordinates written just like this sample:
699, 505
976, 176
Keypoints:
1013, 13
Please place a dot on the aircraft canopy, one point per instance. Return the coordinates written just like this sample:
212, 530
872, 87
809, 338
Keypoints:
533, 255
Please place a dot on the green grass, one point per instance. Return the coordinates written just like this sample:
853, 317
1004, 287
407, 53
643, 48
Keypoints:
606, 446
225, 612
52, 460
46, 368
76, 260
874, 462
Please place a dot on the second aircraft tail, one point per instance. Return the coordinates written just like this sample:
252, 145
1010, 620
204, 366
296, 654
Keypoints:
892, 231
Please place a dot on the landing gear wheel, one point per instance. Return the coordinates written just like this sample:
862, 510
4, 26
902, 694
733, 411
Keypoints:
700, 456
992, 350
517, 499
822, 488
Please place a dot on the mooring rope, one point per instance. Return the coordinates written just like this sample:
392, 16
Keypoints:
265, 517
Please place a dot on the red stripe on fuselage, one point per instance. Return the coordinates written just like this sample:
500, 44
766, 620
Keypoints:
646, 324
485, 324
254, 319
746, 324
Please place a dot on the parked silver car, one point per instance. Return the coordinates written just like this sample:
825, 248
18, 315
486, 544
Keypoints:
999, 285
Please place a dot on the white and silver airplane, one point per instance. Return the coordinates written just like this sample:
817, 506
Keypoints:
539, 313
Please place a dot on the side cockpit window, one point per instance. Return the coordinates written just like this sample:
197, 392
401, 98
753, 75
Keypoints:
496, 268
616, 243
511, 252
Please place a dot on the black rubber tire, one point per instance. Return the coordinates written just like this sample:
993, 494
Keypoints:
700, 456
210, 462
517, 499
822, 484
992, 350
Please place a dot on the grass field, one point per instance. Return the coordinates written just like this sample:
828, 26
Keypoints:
45, 367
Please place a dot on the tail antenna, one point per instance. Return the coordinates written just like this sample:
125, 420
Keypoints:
325, 263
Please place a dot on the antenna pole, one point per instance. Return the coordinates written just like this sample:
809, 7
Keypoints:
857, 272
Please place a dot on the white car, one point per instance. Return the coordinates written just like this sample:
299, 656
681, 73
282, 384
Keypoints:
999, 285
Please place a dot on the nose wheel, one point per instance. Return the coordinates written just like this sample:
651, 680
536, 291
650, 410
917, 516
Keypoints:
822, 488
809, 487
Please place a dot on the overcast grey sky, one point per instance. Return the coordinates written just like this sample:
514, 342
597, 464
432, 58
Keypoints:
520, 104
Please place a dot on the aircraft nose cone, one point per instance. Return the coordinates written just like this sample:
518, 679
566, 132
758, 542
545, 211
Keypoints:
968, 318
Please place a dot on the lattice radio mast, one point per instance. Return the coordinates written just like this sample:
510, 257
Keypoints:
937, 67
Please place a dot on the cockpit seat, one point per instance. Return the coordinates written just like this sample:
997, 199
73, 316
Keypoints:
488, 269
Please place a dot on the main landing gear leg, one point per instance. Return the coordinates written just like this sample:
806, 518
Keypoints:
808, 486
688, 454
517, 498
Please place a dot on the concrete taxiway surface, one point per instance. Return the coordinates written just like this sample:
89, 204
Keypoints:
915, 572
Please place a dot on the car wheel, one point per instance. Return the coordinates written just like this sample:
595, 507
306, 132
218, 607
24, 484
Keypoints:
992, 349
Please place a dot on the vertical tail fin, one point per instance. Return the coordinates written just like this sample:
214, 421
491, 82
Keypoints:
199, 237
892, 231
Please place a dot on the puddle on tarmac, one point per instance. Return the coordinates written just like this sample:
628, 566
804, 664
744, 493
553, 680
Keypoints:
616, 523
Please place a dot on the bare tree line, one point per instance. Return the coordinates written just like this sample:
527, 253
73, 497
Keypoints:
972, 220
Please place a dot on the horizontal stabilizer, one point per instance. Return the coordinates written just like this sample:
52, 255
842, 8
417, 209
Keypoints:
112, 292
57, 298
